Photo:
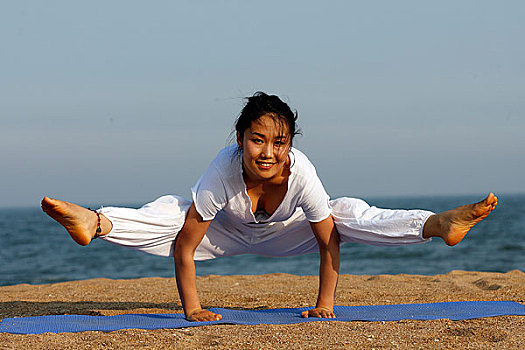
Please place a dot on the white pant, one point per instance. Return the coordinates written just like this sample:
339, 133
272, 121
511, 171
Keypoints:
154, 227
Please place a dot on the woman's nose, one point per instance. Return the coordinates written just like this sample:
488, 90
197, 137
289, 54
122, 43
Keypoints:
267, 151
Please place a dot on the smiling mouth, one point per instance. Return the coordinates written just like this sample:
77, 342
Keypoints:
264, 165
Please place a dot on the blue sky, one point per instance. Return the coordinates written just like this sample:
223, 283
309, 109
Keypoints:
108, 102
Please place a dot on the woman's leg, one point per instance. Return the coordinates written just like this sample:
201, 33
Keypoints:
151, 229
81, 223
357, 222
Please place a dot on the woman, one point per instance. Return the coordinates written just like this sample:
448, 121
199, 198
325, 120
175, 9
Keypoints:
260, 196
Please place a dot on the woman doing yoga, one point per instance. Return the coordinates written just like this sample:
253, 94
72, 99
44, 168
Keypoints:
260, 196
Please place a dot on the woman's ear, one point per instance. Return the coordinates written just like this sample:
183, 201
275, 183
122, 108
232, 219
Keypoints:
239, 139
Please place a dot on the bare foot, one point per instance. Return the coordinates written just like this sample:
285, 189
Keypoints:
81, 223
453, 225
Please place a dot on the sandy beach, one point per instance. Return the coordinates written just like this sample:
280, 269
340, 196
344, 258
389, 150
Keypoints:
158, 295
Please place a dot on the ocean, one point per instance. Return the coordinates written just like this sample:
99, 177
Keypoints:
34, 249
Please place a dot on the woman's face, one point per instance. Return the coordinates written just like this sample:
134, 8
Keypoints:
265, 148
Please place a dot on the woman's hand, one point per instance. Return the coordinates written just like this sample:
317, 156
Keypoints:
318, 312
203, 316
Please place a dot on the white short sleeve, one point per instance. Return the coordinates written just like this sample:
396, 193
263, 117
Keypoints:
314, 201
209, 194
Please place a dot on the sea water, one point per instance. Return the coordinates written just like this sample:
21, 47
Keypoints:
34, 249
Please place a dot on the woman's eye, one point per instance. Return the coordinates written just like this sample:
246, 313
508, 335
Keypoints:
257, 140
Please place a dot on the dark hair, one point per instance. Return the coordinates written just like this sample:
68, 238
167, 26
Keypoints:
262, 104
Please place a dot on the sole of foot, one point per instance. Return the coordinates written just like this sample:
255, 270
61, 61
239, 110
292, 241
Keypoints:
457, 222
81, 223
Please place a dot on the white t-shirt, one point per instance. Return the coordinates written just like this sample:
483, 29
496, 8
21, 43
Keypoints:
221, 191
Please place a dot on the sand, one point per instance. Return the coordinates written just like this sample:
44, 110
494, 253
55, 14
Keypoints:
158, 295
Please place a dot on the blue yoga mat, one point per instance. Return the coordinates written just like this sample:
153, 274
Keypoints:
78, 323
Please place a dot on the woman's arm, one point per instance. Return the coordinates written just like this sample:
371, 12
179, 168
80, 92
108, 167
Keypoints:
328, 240
186, 243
